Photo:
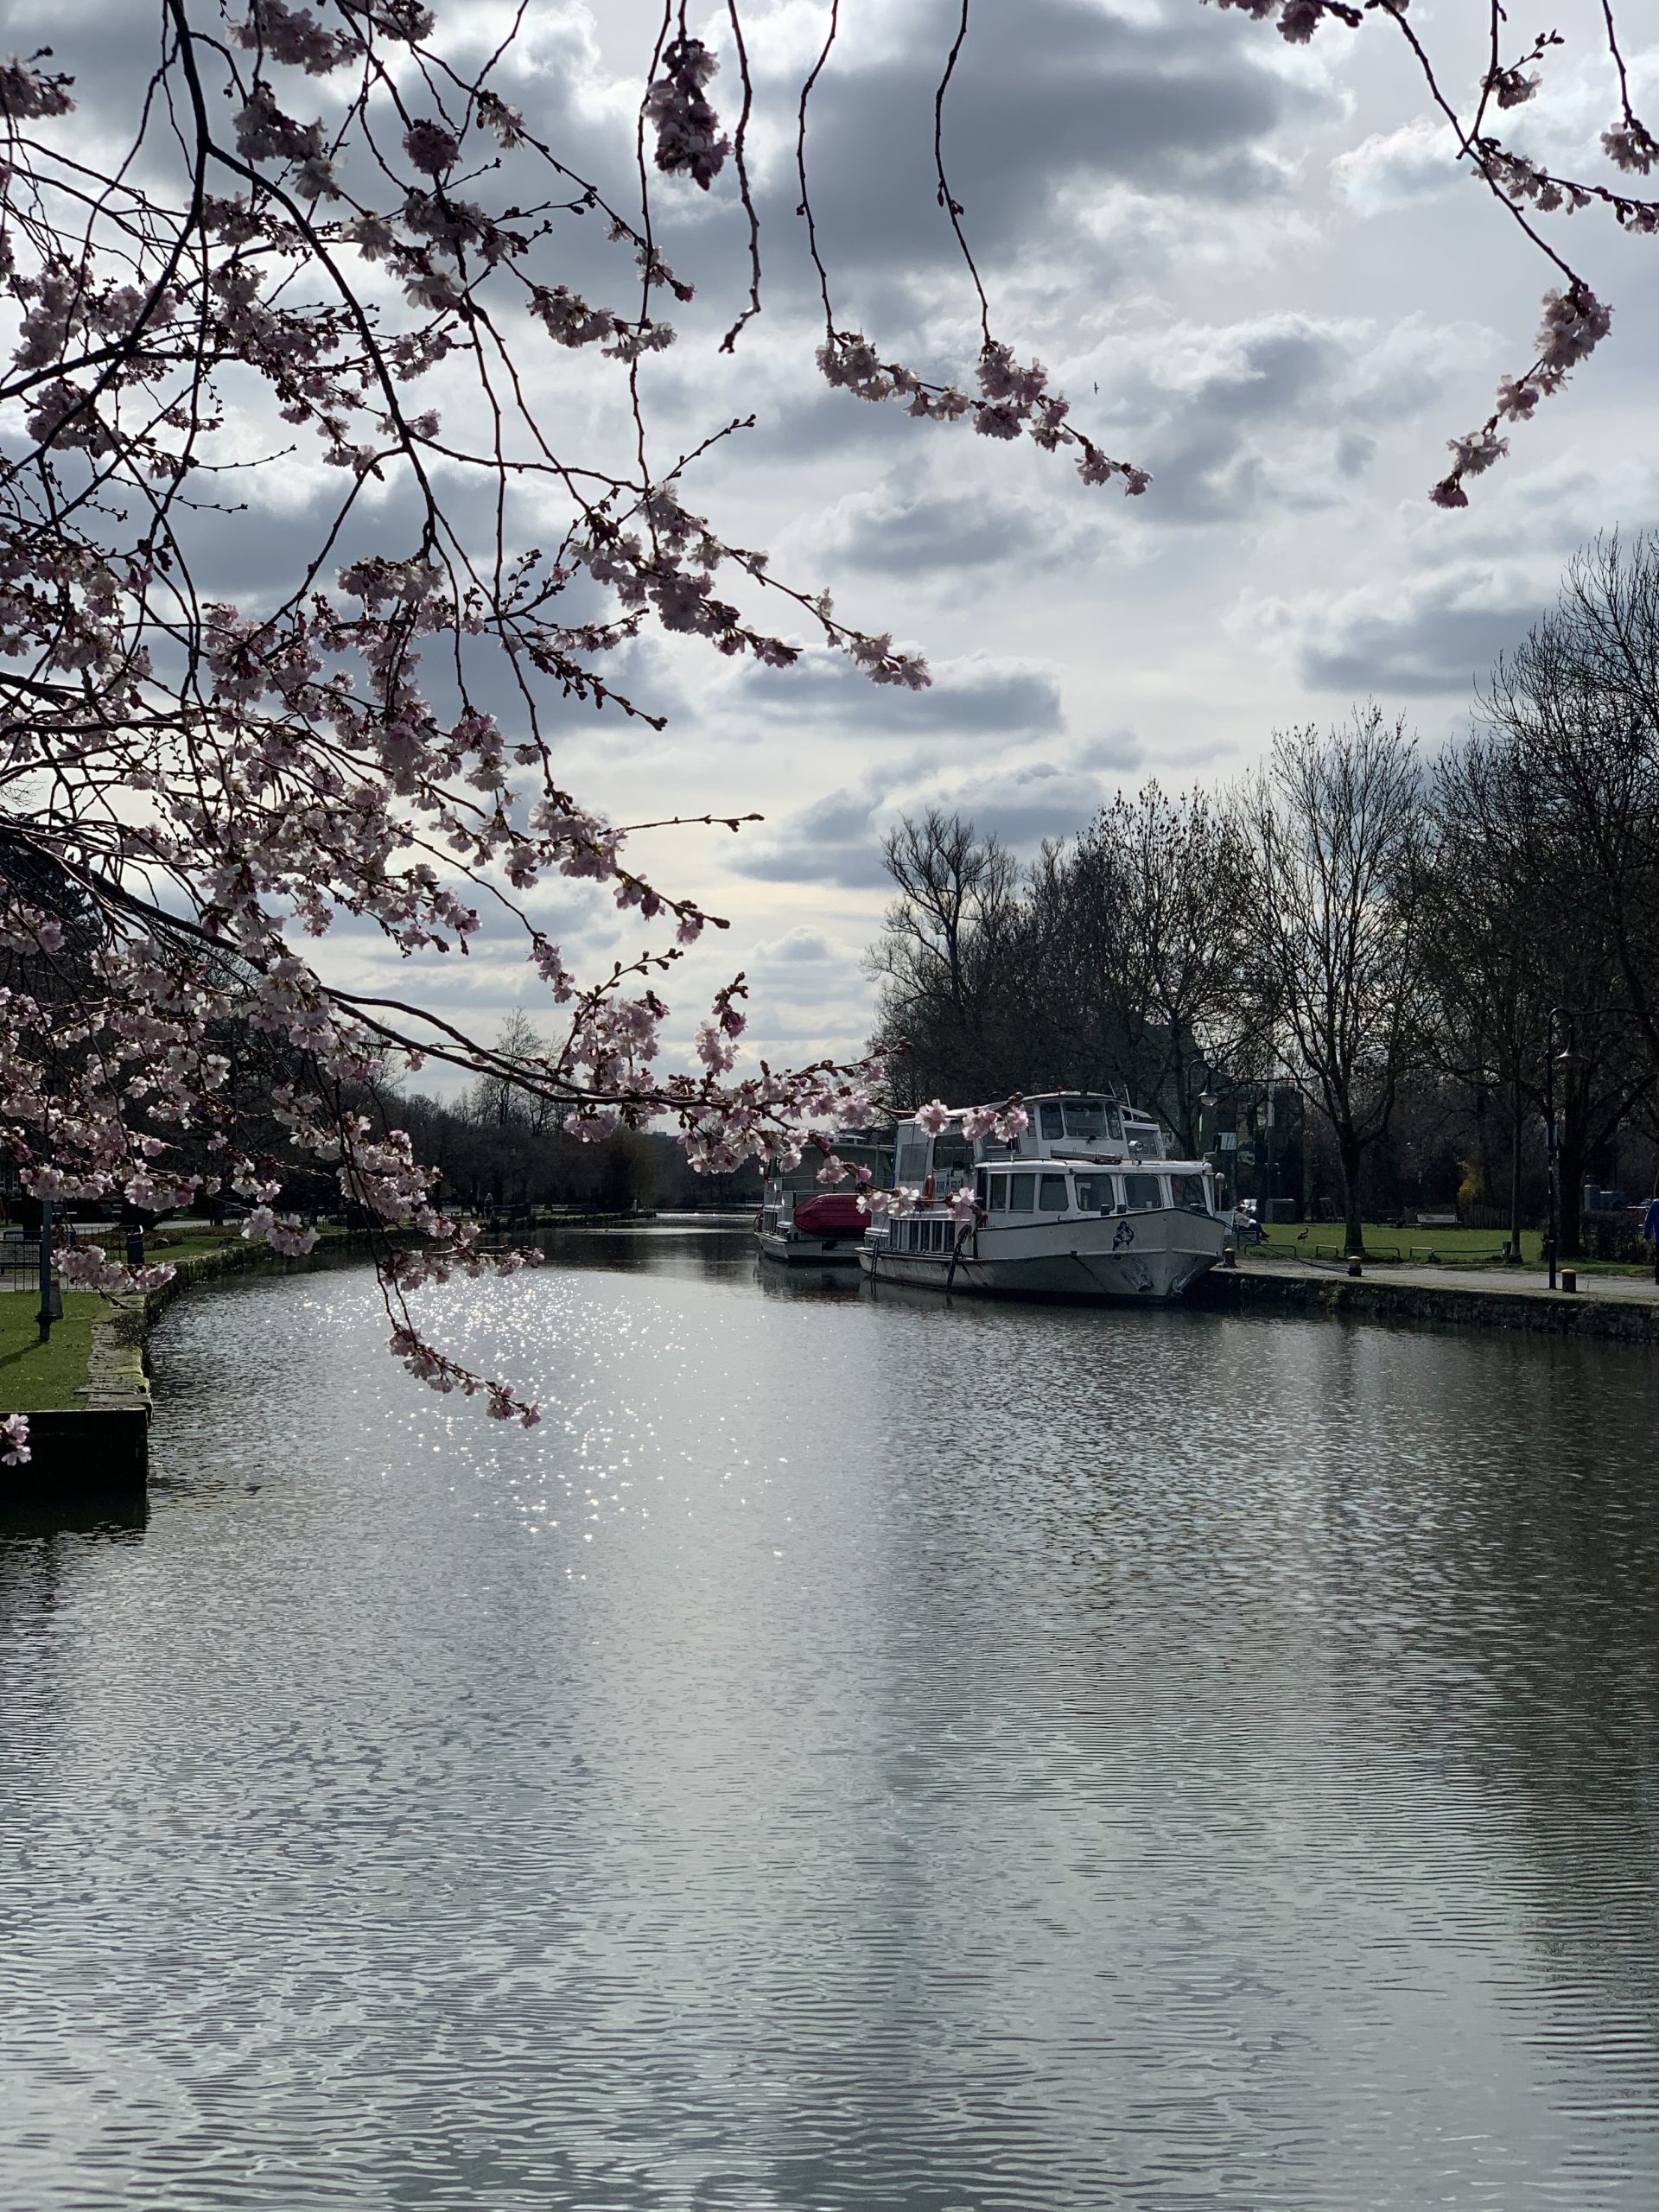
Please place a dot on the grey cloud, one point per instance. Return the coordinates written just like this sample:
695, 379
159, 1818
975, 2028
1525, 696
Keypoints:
834, 841
967, 698
1439, 634
1116, 751
1273, 418
838, 840
1046, 93
920, 531
1023, 805
1422, 651
798, 948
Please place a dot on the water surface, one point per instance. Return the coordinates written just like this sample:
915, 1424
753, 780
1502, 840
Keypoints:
927, 1759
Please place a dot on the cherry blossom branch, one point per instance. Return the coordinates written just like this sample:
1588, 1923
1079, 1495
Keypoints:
1574, 321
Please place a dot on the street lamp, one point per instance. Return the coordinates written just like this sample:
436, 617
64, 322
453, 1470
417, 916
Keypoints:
48, 1308
1264, 1178
1553, 1142
1208, 1101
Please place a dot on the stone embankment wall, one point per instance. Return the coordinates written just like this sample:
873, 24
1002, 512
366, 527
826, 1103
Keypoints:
1561, 1313
99, 1453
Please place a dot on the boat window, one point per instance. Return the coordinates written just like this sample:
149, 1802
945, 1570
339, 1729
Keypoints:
982, 1181
912, 1158
1188, 1191
999, 1195
1053, 1197
1051, 1120
1022, 1193
1095, 1193
1142, 1192
951, 1150
1086, 1119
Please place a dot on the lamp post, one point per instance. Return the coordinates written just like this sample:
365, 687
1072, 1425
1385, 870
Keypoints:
44, 1316
1264, 1178
1208, 1101
1551, 1141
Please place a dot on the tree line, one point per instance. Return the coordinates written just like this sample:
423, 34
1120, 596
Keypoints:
1443, 956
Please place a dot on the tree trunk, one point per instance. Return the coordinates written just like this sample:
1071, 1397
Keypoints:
1348, 1156
1570, 1176
1517, 1124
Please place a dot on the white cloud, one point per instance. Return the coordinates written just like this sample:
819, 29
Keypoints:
1395, 169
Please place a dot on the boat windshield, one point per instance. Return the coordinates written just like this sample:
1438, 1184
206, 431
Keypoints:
1188, 1191
1091, 1120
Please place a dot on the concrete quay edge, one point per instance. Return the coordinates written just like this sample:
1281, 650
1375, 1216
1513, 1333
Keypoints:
1536, 1310
96, 1455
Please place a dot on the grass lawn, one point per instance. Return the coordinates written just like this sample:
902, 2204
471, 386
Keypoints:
1324, 1239
44, 1378
1453, 1246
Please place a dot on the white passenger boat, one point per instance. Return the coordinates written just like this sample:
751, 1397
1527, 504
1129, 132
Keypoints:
1083, 1202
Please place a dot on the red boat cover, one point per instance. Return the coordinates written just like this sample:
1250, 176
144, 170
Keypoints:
835, 1213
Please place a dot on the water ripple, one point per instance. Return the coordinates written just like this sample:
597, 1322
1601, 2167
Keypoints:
938, 1760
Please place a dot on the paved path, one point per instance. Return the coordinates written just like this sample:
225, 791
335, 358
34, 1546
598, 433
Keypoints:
1515, 1282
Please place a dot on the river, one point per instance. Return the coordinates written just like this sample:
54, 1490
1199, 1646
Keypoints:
852, 1755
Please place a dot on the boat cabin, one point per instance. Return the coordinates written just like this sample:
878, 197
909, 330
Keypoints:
1067, 1124
1063, 1125
1033, 1198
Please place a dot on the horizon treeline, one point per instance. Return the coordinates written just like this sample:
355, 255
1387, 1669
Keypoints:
1429, 949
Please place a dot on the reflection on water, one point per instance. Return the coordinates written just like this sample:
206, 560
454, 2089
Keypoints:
935, 1759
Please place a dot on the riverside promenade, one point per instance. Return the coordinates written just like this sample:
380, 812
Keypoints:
1621, 1307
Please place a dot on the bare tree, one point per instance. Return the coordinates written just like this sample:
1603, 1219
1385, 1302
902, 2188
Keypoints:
1485, 964
1577, 708
943, 959
1154, 944
1336, 821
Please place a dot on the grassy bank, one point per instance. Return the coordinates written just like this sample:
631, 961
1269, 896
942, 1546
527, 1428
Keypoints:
1323, 1240
1468, 1247
44, 1378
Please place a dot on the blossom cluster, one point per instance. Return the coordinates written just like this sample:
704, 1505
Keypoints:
1575, 321
689, 141
1013, 401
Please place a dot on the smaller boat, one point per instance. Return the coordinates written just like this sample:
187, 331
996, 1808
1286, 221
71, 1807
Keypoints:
801, 1225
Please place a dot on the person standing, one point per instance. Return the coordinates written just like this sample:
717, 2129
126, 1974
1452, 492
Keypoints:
1651, 1230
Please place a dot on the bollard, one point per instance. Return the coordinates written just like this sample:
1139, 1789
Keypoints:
1354, 1268
1569, 1278
1228, 1255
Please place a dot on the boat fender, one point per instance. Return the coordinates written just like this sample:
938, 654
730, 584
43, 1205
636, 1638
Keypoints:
927, 1190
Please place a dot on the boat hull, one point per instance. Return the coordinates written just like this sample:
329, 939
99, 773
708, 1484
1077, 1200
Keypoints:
1144, 1258
795, 1251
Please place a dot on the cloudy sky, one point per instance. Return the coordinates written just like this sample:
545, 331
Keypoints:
1254, 268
